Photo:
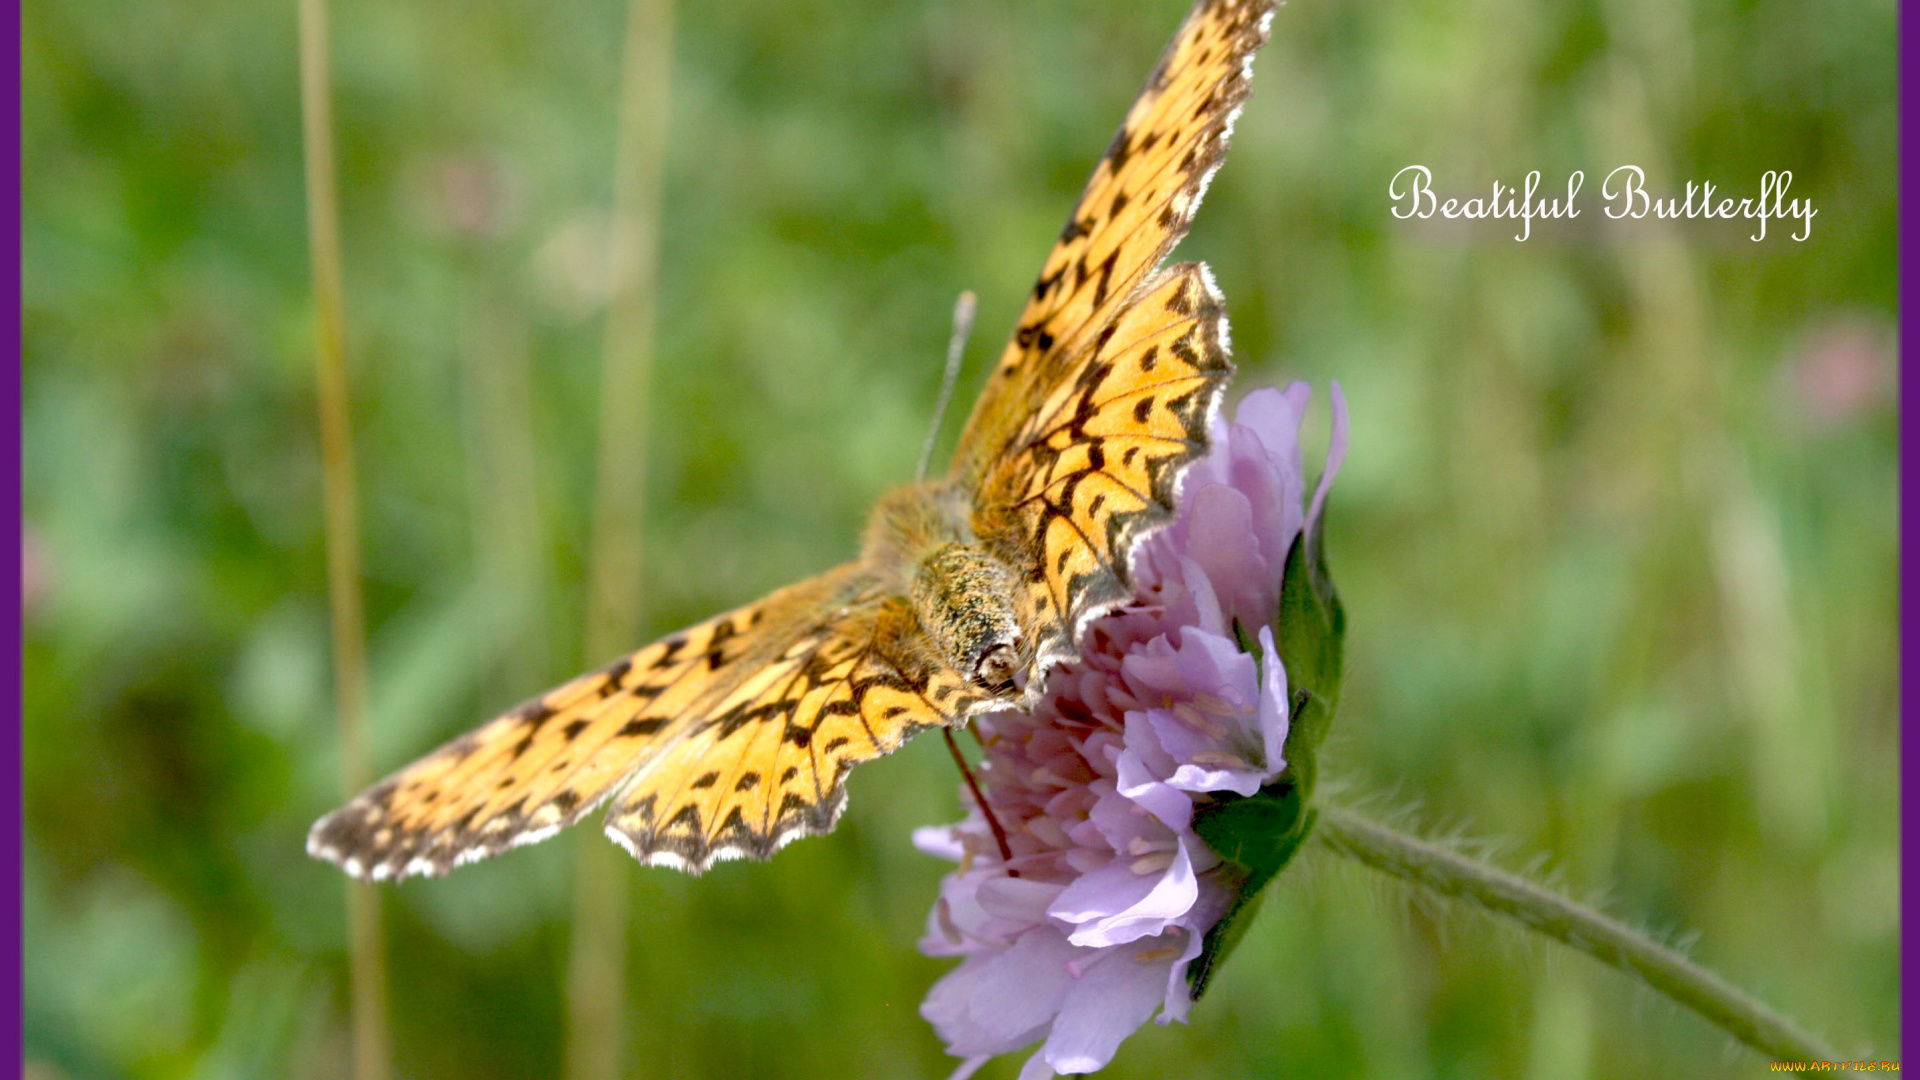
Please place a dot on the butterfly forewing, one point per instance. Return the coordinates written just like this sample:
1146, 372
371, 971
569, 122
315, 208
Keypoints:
1136, 207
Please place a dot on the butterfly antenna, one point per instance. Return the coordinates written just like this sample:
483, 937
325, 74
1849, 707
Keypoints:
979, 800
956, 348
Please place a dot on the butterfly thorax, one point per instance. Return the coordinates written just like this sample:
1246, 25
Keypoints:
962, 596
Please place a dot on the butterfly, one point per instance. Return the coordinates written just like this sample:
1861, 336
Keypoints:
734, 737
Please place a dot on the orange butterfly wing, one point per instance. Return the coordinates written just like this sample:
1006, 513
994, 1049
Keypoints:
1108, 388
791, 691
767, 764
1095, 469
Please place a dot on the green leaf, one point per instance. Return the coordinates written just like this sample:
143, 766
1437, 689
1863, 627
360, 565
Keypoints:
1312, 625
1309, 718
1256, 836
1311, 640
1262, 832
1242, 829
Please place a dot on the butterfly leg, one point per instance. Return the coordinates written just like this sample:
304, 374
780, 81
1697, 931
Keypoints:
999, 834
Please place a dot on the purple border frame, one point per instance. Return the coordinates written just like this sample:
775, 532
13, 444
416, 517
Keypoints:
15, 708
11, 1047
10, 416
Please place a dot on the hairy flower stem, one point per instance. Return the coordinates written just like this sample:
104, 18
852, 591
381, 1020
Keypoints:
1451, 874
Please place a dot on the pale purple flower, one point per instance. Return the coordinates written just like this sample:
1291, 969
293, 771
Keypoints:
1096, 788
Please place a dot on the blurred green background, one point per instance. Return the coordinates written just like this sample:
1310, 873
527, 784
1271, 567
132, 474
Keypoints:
1616, 534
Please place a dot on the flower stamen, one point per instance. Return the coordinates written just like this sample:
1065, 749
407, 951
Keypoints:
1218, 706
1198, 721
1219, 759
1152, 864
1048, 831
1140, 845
1046, 776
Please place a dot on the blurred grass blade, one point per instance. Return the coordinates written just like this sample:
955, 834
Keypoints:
596, 981
504, 498
343, 528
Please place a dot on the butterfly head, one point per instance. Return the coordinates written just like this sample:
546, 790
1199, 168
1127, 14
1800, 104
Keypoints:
996, 667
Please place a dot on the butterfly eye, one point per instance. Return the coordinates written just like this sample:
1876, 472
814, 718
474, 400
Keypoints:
995, 668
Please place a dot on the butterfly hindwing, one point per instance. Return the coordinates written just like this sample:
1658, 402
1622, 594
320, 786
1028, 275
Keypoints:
1094, 469
767, 764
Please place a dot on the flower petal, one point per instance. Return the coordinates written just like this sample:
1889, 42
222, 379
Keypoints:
1274, 719
1036, 1067
1132, 897
1017, 899
1108, 1003
940, 842
1336, 451
1138, 784
1000, 1000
